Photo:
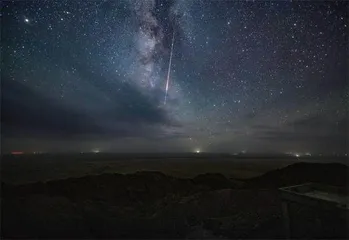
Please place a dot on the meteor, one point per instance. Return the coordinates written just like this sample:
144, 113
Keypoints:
169, 69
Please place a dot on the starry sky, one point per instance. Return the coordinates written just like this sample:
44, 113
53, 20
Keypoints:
257, 76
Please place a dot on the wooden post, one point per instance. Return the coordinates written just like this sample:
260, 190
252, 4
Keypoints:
287, 223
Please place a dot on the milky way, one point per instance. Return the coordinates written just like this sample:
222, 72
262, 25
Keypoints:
245, 76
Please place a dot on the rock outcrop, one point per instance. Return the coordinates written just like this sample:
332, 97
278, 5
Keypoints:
154, 205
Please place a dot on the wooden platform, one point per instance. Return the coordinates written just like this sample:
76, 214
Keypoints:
320, 198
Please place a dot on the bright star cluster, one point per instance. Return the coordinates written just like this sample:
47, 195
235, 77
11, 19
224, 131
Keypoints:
245, 75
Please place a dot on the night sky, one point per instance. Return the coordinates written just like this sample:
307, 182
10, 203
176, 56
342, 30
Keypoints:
258, 76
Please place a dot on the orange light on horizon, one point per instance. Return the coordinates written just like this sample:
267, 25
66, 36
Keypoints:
16, 153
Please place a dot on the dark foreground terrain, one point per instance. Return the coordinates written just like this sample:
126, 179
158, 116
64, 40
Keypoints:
150, 204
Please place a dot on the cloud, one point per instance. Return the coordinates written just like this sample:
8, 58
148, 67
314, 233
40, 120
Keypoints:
250, 115
313, 121
320, 123
263, 127
26, 113
306, 141
317, 132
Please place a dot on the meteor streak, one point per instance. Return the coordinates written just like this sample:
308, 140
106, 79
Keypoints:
169, 69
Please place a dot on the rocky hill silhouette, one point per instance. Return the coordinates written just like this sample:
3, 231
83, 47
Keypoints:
154, 205
327, 173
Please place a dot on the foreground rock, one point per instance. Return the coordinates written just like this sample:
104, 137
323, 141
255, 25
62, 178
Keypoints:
153, 205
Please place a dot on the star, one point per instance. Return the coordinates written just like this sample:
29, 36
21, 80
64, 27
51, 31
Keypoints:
98, 71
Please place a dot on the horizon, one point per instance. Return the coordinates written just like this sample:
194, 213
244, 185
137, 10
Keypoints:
198, 154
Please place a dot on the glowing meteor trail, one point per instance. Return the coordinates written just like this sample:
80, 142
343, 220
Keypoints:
169, 70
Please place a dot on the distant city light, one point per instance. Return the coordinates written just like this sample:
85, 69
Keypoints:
16, 153
197, 150
37, 152
95, 151
297, 155
308, 154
